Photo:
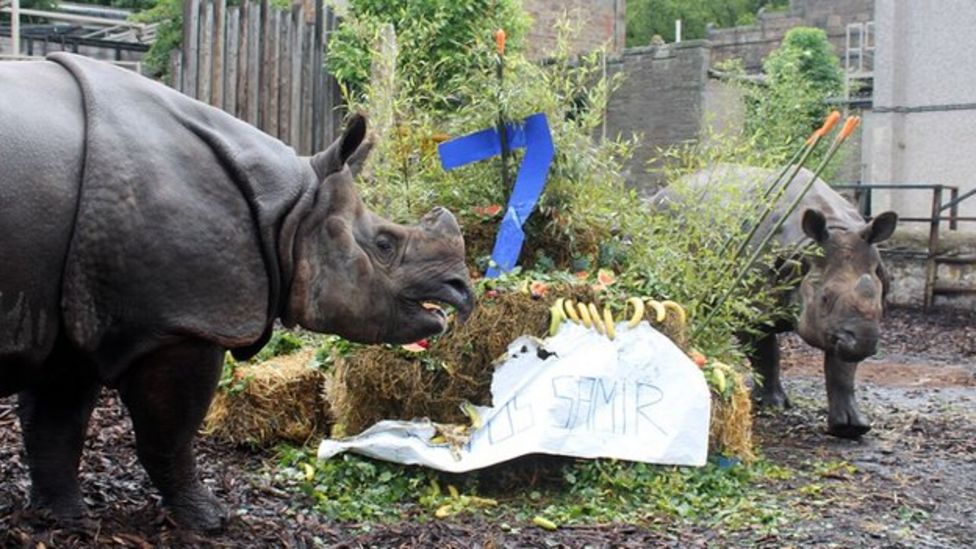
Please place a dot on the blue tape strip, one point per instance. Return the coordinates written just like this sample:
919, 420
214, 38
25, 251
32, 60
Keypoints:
532, 134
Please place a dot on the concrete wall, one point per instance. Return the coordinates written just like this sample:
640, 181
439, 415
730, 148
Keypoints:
603, 22
662, 99
922, 128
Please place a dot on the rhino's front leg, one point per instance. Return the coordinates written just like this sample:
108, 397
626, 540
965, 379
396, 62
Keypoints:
764, 356
168, 394
54, 417
844, 418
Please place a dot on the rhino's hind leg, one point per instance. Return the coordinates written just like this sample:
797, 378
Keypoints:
764, 356
54, 417
167, 394
844, 418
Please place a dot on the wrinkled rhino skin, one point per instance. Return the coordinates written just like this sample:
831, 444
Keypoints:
145, 233
841, 295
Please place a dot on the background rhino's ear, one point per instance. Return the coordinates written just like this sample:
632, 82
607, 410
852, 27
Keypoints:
332, 160
880, 228
815, 226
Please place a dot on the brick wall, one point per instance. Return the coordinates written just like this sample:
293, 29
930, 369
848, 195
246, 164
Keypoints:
602, 22
662, 98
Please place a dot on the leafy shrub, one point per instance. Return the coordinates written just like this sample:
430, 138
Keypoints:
438, 40
800, 75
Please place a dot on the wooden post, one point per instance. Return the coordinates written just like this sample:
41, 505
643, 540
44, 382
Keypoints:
307, 76
15, 27
233, 48
317, 80
295, 120
264, 65
220, 36
191, 10
176, 69
283, 83
206, 52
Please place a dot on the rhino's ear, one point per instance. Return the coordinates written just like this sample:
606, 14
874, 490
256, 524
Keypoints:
815, 226
332, 160
880, 228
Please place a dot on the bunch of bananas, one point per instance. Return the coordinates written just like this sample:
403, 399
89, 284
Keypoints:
603, 322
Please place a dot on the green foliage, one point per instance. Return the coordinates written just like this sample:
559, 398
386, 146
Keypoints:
800, 75
348, 488
405, 177
645, 18
169, 34
351, 488
439, 41
281, 343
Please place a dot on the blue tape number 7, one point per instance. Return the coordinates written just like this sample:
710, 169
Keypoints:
532, 134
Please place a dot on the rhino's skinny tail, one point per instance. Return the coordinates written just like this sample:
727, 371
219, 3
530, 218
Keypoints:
849, 125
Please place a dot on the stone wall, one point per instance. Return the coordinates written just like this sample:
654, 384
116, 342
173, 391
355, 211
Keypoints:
603, 22
662, 99
752, 43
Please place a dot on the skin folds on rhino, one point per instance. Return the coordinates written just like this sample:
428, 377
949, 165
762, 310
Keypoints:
841, 296
145, 233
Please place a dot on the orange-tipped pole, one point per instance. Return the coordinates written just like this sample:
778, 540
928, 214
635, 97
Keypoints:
832, 119
813, 136
828, 125
849, 125
500, 41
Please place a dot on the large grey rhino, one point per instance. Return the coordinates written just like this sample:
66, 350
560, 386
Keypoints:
841, 295
144, 233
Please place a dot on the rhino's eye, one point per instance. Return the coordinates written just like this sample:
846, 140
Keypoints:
385, 246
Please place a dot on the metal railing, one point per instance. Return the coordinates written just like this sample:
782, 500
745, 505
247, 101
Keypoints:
863, 197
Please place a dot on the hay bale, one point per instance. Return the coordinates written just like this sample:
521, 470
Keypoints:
731, 422
389, 383
281, 399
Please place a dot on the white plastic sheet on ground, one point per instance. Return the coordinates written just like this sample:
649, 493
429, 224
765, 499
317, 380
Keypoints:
637, 398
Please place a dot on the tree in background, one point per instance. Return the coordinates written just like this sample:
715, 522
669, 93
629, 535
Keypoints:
799, 77
645, 18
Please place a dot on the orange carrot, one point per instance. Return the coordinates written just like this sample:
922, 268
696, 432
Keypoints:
849, 125
500, 41
830, 122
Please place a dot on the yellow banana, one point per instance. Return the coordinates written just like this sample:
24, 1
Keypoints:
544, 523
608, 322
585, 315
472, 413
443, 511
597, 321
720, 382
638, 304
659, 311
571, 311
556, 316
722, 366
678, 309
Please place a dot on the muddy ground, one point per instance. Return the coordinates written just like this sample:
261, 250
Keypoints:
911, 482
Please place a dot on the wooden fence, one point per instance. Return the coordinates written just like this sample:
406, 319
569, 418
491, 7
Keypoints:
262, 65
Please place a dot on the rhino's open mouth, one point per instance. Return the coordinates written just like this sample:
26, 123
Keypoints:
437, 309
449, 301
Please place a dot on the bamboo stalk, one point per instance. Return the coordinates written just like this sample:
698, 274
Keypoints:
849, 126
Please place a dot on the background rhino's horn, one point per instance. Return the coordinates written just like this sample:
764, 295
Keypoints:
332, 159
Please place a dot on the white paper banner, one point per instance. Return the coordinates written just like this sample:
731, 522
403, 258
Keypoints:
637, 398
